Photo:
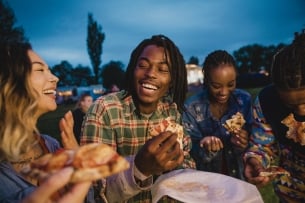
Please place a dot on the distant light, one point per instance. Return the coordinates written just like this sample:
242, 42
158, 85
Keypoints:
65, 93
194, 73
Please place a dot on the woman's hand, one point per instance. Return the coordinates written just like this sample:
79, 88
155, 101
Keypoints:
44, 193
66, 131
211, 143
240, 139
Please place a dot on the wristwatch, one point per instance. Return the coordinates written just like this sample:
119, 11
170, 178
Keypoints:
144, 183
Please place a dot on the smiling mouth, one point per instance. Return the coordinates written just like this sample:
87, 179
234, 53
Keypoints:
149, 86
49, 92
222, 99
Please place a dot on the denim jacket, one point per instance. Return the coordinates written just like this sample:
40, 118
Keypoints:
13, 187
199, 122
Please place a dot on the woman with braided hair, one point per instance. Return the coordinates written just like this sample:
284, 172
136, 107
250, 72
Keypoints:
279, 128
215, 148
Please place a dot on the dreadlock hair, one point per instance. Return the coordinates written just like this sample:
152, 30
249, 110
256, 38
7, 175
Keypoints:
215, 59
175, 62
288, 66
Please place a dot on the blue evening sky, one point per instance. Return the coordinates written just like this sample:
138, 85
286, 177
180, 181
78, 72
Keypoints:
57, 29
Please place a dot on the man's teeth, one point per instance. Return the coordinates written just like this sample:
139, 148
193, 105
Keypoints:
49, 92
149, 86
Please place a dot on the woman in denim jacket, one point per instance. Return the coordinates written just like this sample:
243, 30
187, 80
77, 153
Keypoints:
213, 148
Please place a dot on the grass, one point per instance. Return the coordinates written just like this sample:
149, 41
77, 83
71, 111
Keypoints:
48, 124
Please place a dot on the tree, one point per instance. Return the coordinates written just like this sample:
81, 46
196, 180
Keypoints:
81, 76
113, 74
253, 58
7, 21
63, 72
193, 60
95, 38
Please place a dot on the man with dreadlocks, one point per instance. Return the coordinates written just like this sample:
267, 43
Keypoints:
156, 89
271, 139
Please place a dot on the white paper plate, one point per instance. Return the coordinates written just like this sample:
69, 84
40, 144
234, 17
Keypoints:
193, 186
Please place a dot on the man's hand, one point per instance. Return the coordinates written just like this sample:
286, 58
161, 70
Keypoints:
159, 154
252, 169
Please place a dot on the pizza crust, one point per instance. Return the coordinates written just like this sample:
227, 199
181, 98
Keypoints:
274, 170
90, 162
167, 125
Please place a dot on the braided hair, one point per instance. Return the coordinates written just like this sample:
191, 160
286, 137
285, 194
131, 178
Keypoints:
175, 62
215, 59
288, 66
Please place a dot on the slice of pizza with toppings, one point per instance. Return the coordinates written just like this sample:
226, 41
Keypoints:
296, 129
90, 162
274, 170
167, 125
235, 123
291, 123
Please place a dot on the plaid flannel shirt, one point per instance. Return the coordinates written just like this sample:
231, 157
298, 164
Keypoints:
114, 120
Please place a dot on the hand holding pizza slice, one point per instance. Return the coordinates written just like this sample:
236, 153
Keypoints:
90, 162
167, 125
235, 123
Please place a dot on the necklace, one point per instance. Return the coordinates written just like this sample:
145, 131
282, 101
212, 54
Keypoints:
34, 153
27, 160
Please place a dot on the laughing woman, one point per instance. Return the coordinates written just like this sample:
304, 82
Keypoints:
216, 149
27, 90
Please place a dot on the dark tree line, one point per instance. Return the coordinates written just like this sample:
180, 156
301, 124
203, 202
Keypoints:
110, 73
251, 58
254, 58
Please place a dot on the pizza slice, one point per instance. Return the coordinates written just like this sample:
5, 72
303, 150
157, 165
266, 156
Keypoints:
291, 123
167, 125
274, 170
90, 162
296, 129
235, 123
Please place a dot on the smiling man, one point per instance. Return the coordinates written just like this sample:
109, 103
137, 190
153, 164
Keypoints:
156, 88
